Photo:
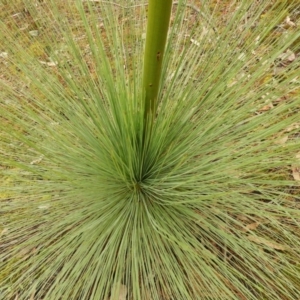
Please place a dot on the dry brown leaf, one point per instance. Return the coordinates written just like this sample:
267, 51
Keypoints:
267, 107
252, 226
289, 22
260, 240
49, 64
287, 57
282, 140
291, 56
277, 71
37, 161
292, 127
296, 173
242, 218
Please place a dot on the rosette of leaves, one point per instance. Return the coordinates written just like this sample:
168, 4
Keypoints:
202, 204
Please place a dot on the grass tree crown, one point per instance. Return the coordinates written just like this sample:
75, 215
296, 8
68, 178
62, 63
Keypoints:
202, 204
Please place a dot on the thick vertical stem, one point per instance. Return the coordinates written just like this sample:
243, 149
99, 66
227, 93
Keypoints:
159, 12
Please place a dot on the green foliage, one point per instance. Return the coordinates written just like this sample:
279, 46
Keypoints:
203, 206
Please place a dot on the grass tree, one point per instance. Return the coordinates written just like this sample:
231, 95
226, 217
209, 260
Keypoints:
202, 204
